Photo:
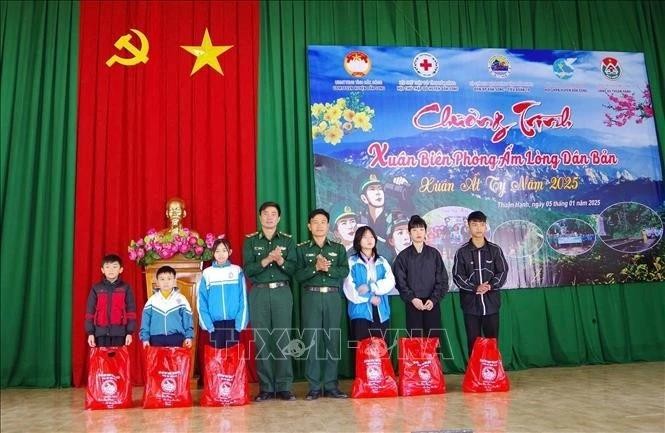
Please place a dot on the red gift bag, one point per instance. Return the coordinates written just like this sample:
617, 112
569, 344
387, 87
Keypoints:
420, 371
167, 377
225, 380
109, 384
374, 372
485, 371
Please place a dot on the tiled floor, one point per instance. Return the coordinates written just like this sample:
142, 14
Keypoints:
607, 398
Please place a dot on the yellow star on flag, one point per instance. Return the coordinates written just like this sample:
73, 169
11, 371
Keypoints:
206, 54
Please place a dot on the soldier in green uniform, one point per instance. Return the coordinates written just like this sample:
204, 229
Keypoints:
343, 224
322, 267
270, 260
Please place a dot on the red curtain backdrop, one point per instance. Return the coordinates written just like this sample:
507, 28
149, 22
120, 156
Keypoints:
152, 131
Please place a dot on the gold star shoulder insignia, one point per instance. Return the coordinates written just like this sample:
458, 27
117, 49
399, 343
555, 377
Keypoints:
206, 54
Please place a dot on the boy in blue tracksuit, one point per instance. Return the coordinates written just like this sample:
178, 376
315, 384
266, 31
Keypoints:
167, 316
222, 298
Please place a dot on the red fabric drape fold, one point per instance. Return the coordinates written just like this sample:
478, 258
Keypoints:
152, 131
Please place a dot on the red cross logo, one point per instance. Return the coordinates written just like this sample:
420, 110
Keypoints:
425, 65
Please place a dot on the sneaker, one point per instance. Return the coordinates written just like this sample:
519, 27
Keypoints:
335, 393
286, 395
264, 395
313, 395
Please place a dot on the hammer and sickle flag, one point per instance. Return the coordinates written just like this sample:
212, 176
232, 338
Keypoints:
140, 54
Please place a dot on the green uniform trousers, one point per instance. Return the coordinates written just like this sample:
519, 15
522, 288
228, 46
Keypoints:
271, 313
321, 322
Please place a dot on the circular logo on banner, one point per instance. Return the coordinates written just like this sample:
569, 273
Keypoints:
488, 373
563, 68
373, 372
225, 389
499, 66
425, 65
424, 374
610, 67
109, 387
357, 64
168, 385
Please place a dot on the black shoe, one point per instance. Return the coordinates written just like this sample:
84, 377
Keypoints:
286, 395
335, 393
313, 395
263, 396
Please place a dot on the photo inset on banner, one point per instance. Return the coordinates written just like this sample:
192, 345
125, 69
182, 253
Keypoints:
519, 238
571, 236
448, 230
630, 227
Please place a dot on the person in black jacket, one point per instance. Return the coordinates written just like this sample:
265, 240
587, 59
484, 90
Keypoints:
422, 281
479, 270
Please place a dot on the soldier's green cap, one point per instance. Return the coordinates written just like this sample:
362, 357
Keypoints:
394, 220
341, 210
372, 179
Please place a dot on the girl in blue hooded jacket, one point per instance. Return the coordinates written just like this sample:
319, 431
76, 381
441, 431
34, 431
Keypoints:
367, 286
222, 298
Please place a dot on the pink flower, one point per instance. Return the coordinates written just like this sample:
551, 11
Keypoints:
627, 108
132, 255
140, 253
183, 248
152, 232
140, 242
198, 250
192, 240
165, 254
158, 247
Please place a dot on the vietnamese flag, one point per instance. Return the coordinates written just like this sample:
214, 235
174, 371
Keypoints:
167, 106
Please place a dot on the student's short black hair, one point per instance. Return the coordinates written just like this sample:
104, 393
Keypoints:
476, 216
416, 221
319, 211
165, 270
111, 258
268, 204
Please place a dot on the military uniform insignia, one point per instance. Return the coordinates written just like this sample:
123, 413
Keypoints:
249, 235
285, 234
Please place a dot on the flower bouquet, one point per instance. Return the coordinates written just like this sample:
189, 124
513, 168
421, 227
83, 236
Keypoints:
155, 246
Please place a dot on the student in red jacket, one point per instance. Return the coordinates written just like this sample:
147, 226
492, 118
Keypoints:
110, 316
